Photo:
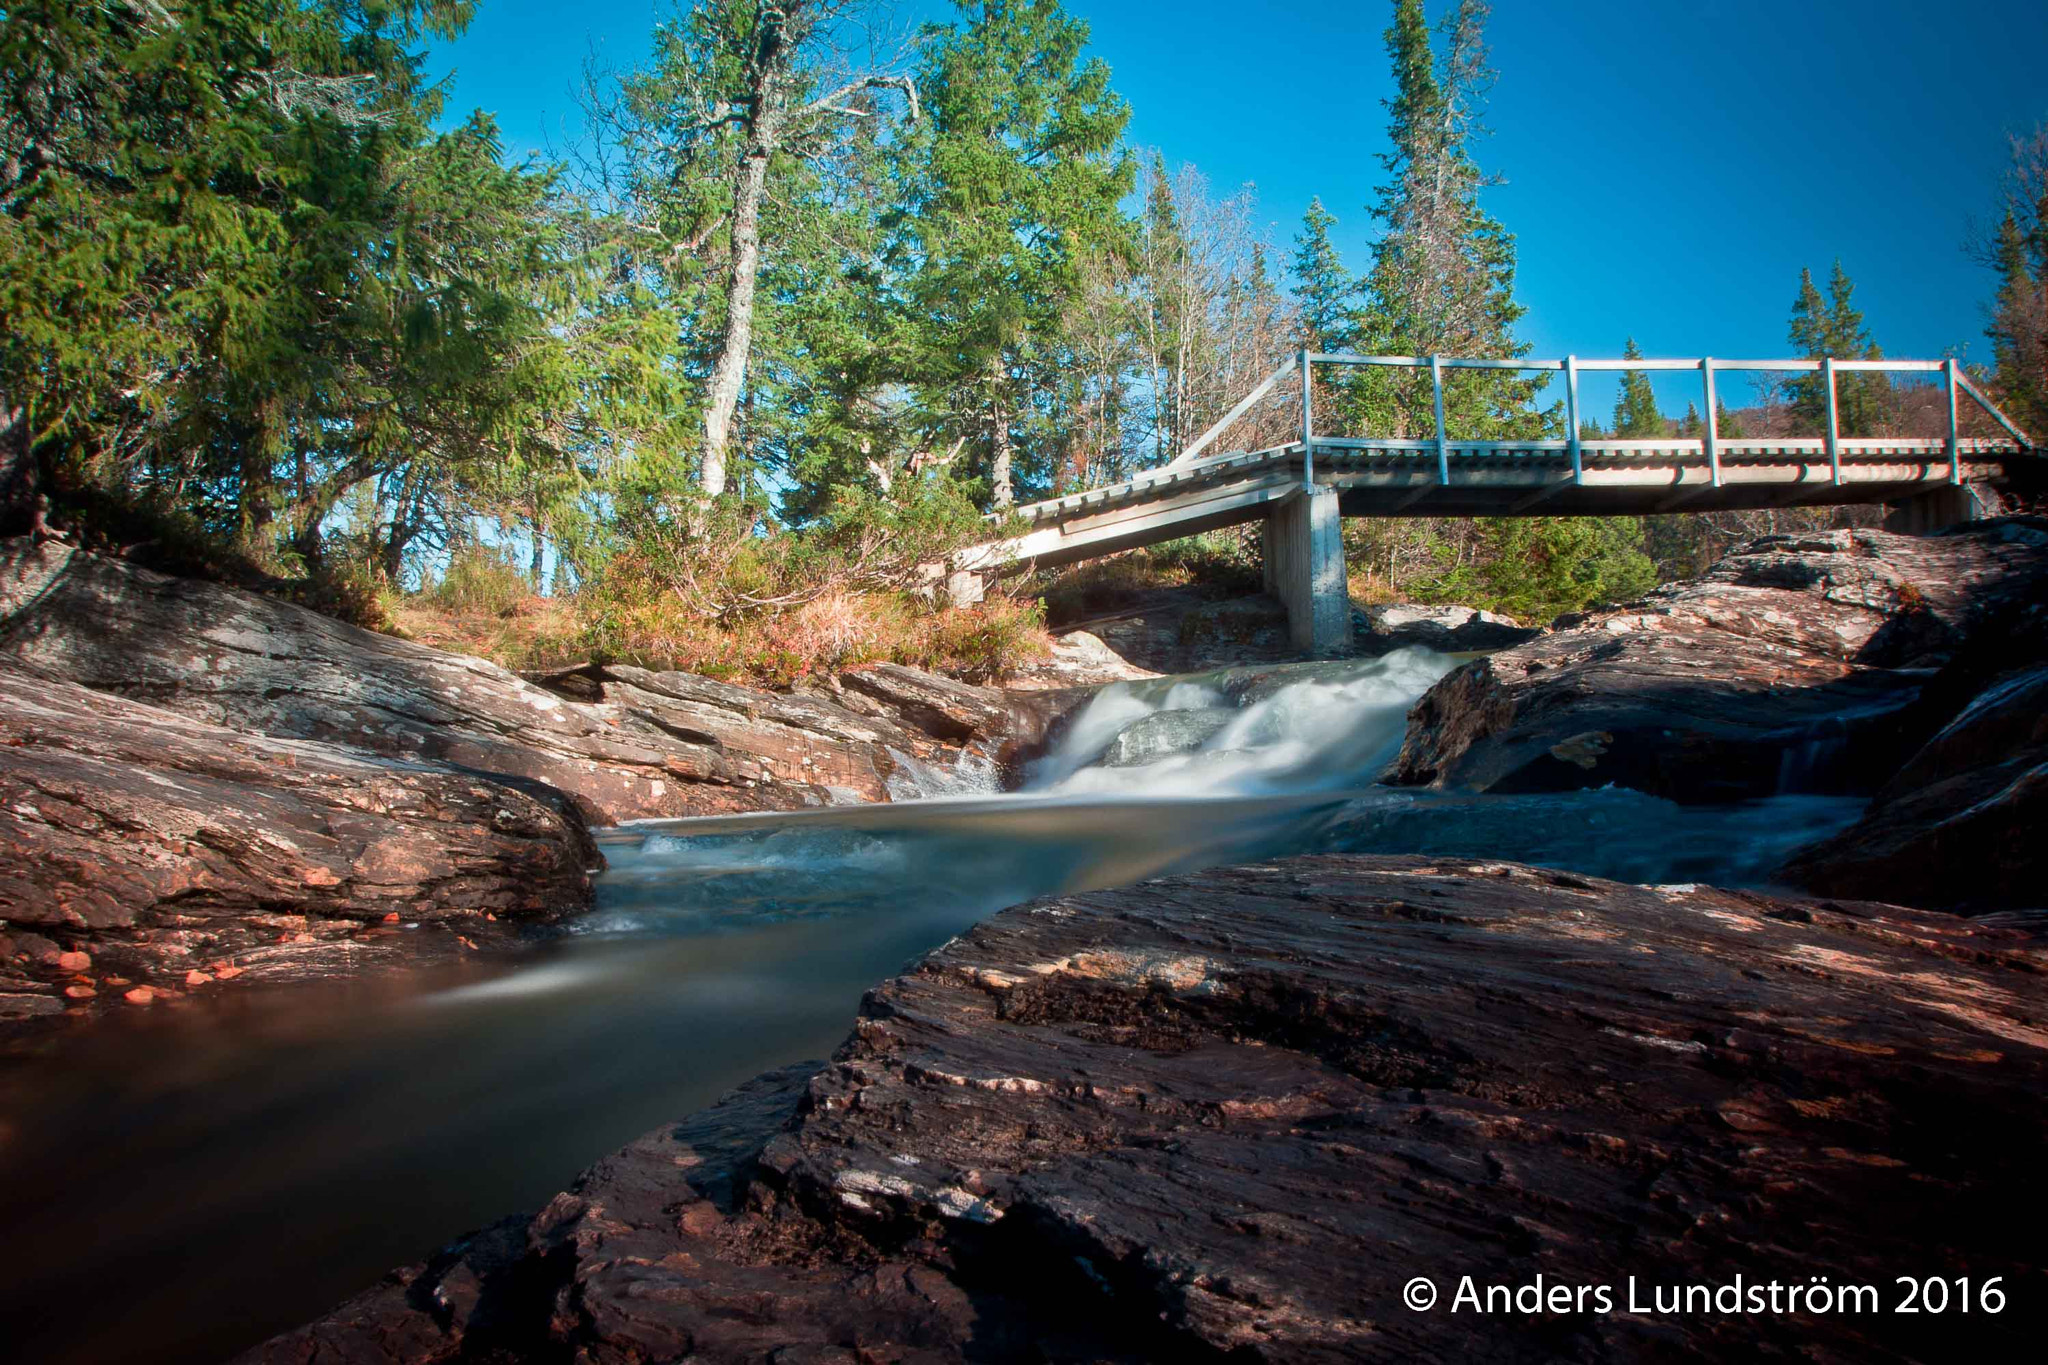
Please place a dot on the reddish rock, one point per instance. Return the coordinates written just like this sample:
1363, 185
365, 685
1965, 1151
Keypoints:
1230, 1115
624, 743
165, 842
1960, 825
1796, 662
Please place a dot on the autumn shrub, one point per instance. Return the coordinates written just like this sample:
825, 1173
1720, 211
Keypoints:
724, 591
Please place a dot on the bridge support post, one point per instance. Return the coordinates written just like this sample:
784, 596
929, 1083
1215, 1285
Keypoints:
1304, 554
1952, 505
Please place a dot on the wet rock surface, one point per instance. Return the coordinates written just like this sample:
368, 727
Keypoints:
1164, 732
1795, 664
143, 850
1229, 1115
1959, 825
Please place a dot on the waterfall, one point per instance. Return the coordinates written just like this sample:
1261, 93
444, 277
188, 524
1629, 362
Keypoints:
1336, 726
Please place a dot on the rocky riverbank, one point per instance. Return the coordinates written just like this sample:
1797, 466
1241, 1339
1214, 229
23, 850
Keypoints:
204, 784
1851, 661
1231, 1115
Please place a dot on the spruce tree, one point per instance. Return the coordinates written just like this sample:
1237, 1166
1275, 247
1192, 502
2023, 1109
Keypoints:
1012, 183
2018, 326
1324, 291
1635, 405
1833, 326
1443, 271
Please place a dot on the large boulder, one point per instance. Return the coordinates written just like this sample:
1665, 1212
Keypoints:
1959, 825
625, 743
1794, 664
144, 850
1232, 1115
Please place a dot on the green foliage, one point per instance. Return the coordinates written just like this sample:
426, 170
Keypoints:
1534, 568
2017, 253
1443, 272
1323, 289
1635, 405
480, 578
1834, 327
1011, 183
242, 272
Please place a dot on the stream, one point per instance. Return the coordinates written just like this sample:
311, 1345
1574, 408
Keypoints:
178, 1186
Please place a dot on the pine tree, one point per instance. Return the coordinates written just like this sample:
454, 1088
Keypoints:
1689, 425
2018, 323
1324, 291
1635, 405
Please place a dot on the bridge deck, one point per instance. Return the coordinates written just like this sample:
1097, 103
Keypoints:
1395, 477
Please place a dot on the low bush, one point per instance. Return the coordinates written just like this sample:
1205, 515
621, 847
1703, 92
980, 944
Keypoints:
480, 579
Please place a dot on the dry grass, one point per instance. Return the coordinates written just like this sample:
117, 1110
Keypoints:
983, 643
532, 632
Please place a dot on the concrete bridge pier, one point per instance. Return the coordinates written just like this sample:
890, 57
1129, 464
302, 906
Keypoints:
1948, 505
1303, 550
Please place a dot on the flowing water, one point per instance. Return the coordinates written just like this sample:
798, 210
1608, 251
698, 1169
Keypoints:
177, 1187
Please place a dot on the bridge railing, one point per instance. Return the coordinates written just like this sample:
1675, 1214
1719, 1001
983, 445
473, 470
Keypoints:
1955, 383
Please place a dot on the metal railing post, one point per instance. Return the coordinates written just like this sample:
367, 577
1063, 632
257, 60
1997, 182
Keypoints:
1308, 421
1827, 370
1571, 415
1443, 457
1713, 440
1955, 442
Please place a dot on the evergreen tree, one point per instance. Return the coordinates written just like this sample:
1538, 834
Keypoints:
1013, 184
1635, 405
1443, 271
1727, 423
1689, 425
1833, 326
244, 276
2018, 323
1324, 291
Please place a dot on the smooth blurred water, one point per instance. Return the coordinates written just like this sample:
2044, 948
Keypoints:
179, 1185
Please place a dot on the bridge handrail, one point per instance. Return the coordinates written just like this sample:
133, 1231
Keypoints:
1954, 380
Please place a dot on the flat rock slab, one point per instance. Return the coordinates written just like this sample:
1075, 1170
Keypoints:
1231, 1115
140, 848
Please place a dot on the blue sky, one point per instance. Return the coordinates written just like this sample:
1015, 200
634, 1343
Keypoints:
1668, 167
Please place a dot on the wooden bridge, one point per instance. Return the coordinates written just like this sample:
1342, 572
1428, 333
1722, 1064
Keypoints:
1302, 488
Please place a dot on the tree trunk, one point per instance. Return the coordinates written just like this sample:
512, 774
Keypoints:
20, 471
729, 370
538, 563
999, 433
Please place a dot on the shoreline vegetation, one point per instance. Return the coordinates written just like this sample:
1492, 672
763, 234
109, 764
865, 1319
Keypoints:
775, 331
